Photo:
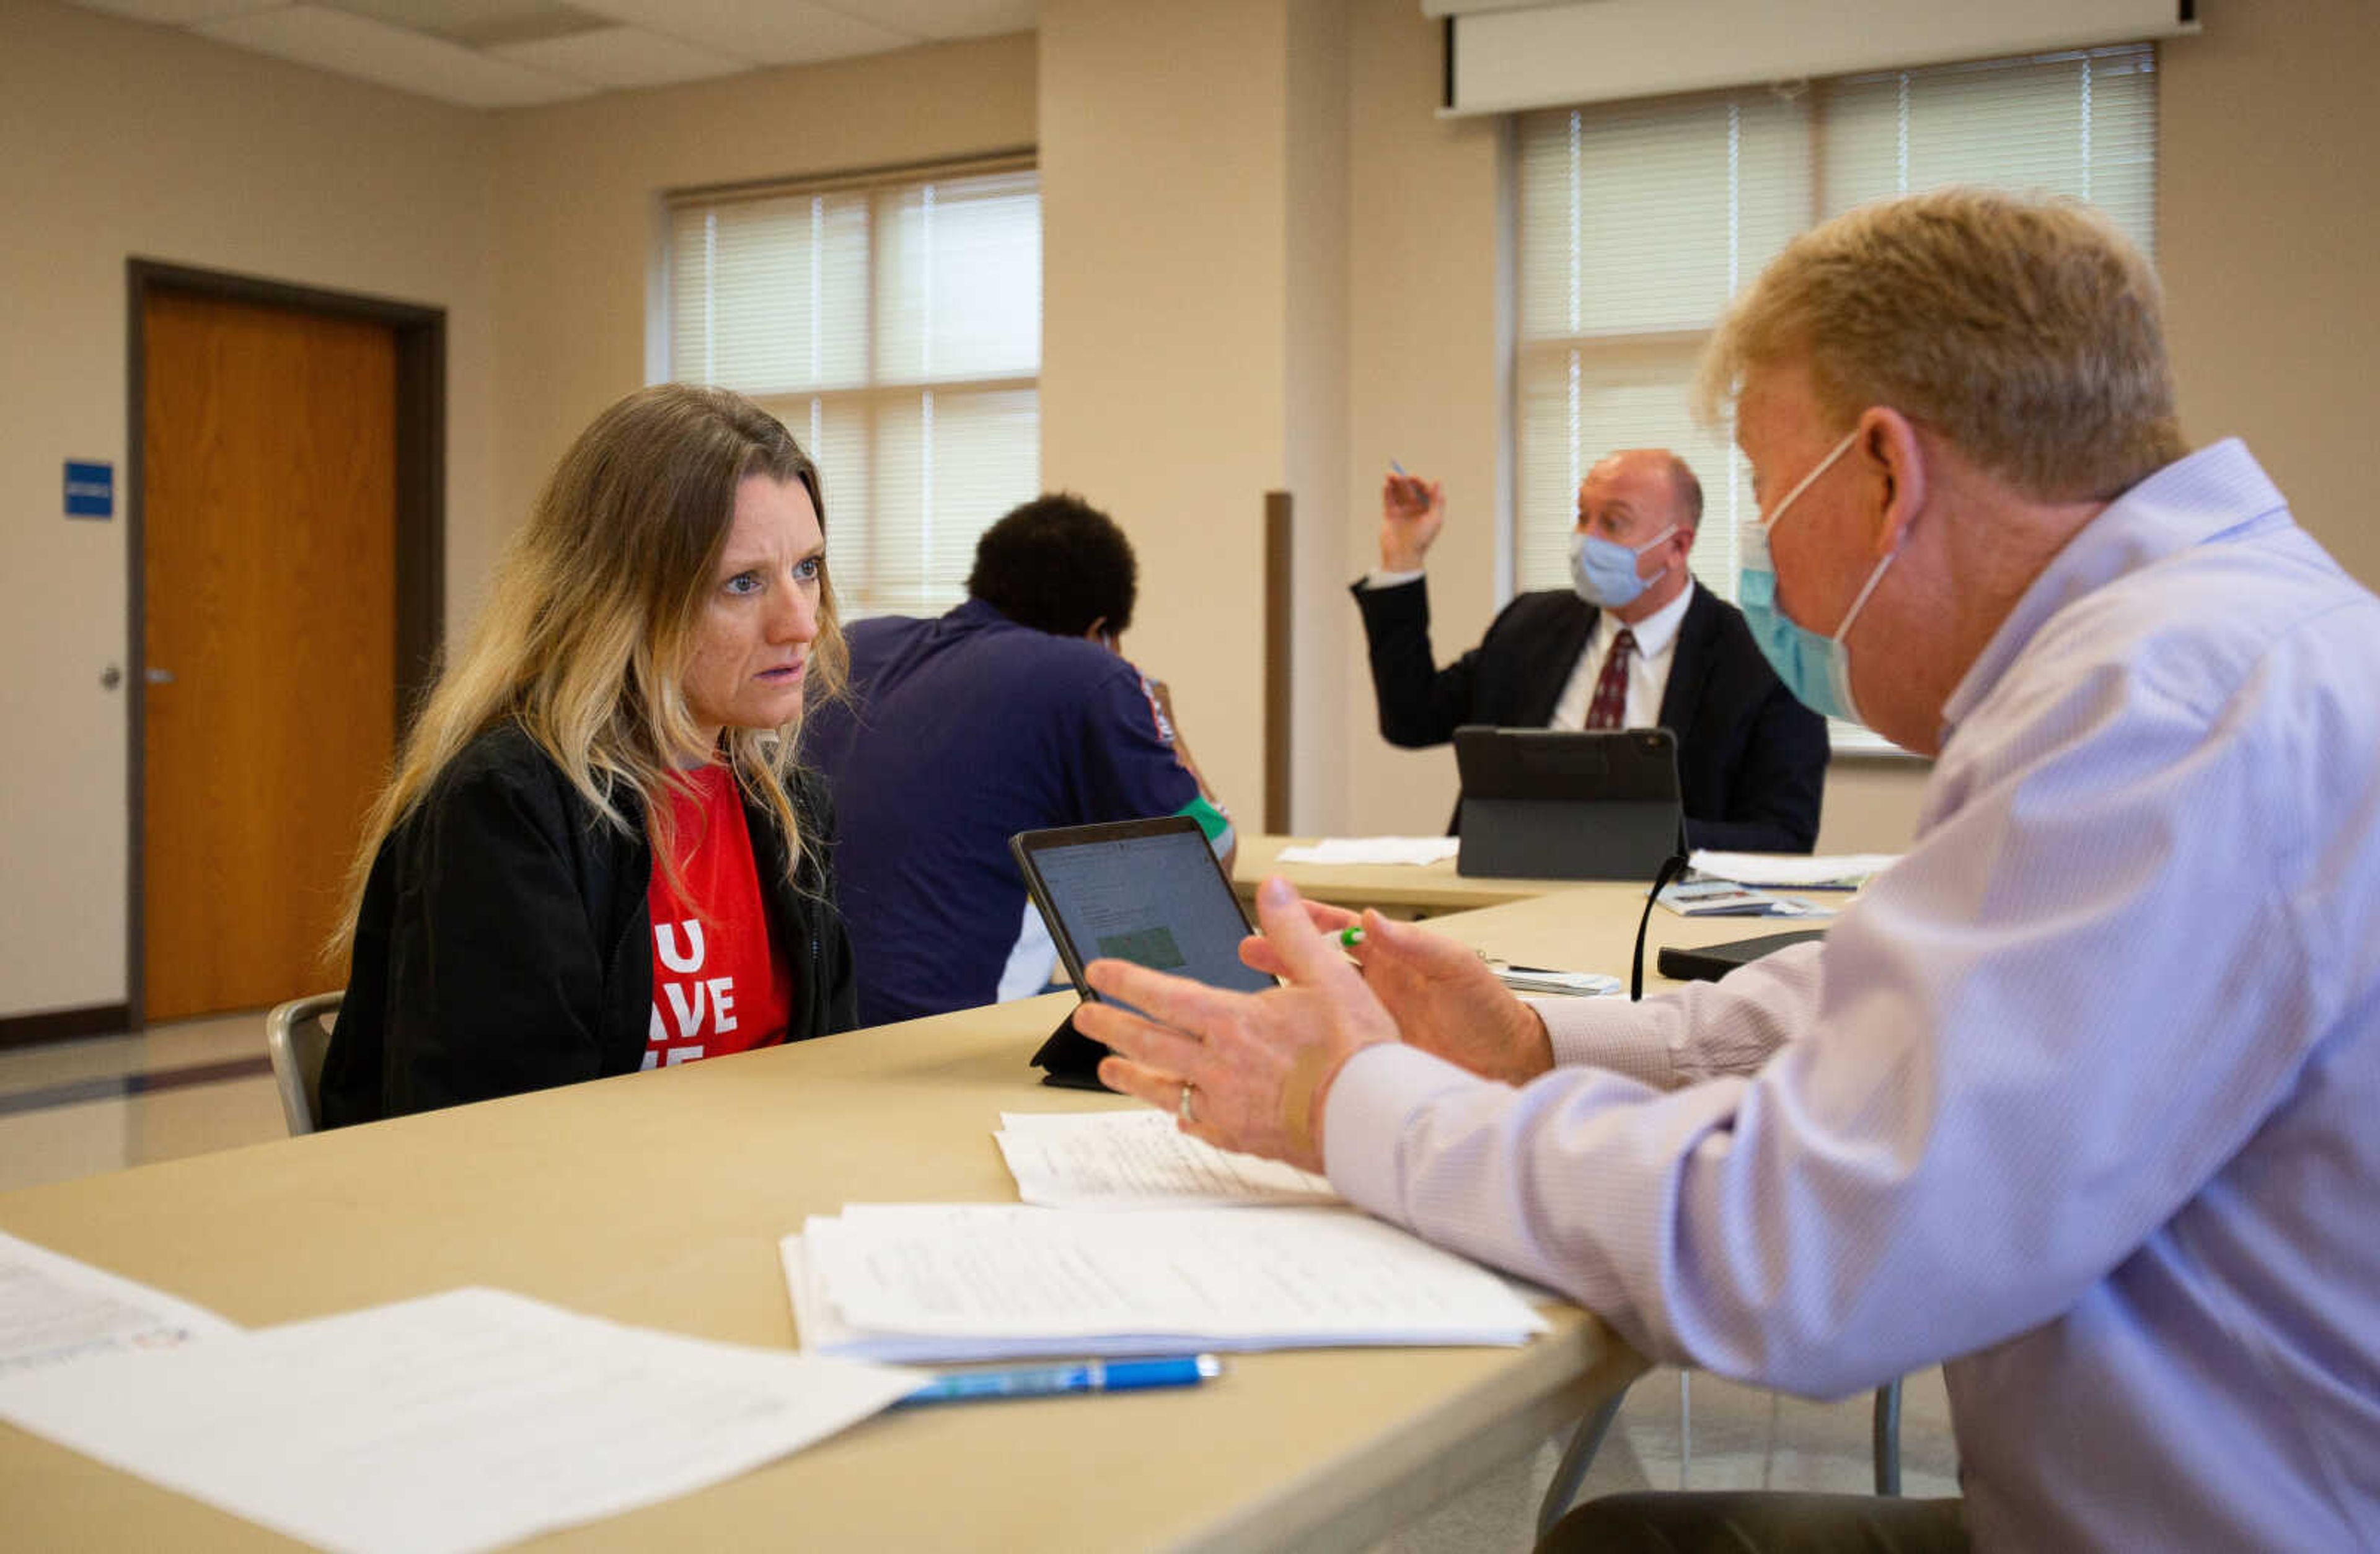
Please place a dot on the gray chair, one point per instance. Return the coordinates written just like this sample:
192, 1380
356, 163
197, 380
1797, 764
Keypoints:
296, 1034
1570, 1472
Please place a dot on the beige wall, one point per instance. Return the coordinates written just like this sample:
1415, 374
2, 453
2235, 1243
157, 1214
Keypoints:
125, 141
1194, 344
1321, 78
577, 192
1428, 376
2268, 217
1239, 300
1165, 296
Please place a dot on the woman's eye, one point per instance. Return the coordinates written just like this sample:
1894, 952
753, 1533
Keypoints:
744, 582
806, 571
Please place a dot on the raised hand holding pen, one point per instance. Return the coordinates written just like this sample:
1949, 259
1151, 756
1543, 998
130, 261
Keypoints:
1242, 1070
1412, 512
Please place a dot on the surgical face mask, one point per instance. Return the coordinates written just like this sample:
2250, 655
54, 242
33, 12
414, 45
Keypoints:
1603, 571
1817, 669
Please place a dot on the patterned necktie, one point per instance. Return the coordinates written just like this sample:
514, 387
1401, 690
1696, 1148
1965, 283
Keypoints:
1610, 707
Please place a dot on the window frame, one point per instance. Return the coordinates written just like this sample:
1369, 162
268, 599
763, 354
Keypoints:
1728, 496
852, 532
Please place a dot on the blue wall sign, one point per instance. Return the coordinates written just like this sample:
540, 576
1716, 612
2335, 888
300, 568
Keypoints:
90, 489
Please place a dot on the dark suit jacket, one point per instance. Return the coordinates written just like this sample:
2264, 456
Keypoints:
1751, 760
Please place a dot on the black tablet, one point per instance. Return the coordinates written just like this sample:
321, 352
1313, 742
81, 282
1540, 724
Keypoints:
1559, 804
1148, 892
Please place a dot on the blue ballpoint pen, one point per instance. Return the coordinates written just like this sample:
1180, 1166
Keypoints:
1080, 1376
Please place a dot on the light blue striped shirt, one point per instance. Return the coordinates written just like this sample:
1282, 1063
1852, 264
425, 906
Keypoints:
2082, 1098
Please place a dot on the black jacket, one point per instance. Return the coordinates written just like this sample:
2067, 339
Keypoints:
505, 943
1751, 760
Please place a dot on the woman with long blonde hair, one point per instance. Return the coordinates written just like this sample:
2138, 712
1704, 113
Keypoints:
597, 853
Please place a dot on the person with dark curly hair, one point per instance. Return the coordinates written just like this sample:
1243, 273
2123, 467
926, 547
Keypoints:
1061, 565
1014, 711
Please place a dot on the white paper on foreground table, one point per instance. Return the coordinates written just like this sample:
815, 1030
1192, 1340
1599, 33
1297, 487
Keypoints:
1416, 850
54, 1308
1134, 1159
1790, 869
457, 1421
961, 1282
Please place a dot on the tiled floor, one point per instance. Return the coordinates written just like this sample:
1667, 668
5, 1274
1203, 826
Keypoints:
1735, 1437
72, 1109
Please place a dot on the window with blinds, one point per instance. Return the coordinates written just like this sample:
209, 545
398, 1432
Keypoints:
895, 327
1638, 221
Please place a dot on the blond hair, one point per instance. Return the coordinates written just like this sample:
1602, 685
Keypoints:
2025, 330
589, 624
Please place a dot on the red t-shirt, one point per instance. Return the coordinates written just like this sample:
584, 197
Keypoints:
718, 987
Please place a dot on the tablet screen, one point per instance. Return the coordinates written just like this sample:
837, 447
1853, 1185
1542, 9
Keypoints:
1148, 892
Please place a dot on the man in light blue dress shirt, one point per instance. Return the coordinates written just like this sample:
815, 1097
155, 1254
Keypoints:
2082, 1098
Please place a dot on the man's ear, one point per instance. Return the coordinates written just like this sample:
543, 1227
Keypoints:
1889, 444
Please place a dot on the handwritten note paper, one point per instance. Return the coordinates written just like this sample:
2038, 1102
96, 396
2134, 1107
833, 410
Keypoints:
1134, 1159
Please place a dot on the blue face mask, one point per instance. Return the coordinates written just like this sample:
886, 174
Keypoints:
1603, 571
1817, 669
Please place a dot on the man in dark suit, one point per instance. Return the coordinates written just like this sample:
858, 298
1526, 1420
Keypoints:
1635, 644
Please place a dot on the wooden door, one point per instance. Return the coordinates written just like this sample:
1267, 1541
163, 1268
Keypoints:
268, 538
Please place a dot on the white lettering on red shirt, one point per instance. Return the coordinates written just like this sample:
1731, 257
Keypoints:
718, 985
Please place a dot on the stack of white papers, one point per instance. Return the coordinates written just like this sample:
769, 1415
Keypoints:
54, 1309
1720, 898
1545, 979
458, 1421
1420, 850
1134, 1159
1793, 871
971, 1282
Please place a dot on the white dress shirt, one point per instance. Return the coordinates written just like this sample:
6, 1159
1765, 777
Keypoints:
2081, 1097
1648, 668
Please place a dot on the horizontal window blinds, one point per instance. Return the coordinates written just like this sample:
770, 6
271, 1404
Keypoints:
1637, 220
1561, 54
896, 329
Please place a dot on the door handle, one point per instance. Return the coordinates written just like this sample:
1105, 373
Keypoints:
160, 676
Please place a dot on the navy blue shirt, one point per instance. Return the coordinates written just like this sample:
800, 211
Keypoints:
959, 731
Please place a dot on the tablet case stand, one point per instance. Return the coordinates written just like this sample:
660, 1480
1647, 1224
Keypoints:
1072, 1058
1556, 804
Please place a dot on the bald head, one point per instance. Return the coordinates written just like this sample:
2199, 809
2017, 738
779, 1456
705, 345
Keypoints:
1647, 500
1658, 481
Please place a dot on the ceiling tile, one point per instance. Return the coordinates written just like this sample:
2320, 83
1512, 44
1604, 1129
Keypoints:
946, 18
354, 45
176, 13
621, 57
477, 23
766, 32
